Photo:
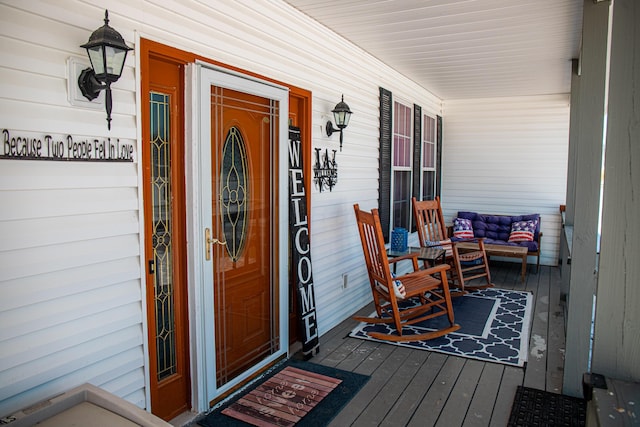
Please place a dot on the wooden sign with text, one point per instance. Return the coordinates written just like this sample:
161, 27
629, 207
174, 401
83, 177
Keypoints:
300, 266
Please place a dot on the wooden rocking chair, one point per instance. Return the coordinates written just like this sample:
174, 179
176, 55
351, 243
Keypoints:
432, 231
432, 293
471, 262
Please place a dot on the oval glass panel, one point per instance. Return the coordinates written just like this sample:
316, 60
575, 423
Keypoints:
234, 192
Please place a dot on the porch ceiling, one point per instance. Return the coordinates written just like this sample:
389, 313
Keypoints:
463, 48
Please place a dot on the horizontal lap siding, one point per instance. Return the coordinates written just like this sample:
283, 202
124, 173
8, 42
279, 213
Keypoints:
508, 156
70, 278
71, 285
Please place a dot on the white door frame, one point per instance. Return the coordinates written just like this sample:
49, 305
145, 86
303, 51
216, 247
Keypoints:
200, 77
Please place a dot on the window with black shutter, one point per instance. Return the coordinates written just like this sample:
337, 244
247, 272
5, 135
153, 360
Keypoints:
410, 159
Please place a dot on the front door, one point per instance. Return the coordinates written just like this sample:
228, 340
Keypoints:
243, 218
243, 135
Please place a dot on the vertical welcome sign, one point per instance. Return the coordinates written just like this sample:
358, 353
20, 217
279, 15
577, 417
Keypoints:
300, 266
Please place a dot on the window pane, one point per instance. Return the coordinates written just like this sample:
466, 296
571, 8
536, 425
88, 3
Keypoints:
428, 143
401, 198
402, 136
428, 185
428, 158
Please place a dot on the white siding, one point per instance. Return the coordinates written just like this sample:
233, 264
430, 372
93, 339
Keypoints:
70, 280
71, 284
508, 156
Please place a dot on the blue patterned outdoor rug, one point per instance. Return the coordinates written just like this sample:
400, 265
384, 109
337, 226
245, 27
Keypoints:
494, 327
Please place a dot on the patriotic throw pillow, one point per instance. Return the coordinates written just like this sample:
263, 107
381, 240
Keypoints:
462, 228
522, 231
398, 289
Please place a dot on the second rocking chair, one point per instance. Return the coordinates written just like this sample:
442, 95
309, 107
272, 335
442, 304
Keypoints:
429, 287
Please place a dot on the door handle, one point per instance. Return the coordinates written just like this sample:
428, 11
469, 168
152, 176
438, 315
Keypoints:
209, 241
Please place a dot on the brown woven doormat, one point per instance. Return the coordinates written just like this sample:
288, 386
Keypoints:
284, 399
532, 408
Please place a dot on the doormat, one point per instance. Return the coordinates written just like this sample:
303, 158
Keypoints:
494, 327
532, 408
294, 393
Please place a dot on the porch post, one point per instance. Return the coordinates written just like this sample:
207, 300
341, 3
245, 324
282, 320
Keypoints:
616, 351
586, 201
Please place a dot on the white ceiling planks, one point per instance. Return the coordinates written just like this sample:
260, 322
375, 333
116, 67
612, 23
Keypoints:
462, 49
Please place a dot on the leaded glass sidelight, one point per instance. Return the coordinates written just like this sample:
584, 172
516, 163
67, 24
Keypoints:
160, 148
234, 183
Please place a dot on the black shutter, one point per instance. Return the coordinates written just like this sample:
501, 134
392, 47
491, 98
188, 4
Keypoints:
439, 157
417, 150
384, 185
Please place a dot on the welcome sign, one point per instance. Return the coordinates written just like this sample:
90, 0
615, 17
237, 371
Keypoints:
300, 266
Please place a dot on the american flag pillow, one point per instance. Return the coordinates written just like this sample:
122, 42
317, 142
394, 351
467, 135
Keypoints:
398, 288
522, 231
462, 228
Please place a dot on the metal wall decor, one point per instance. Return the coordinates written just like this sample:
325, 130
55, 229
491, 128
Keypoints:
325, 170
21, 145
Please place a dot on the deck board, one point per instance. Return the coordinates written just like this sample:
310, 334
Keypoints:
555, 357
512, 377
417, 387
538, 338
404, 407
456, 406
431, 406
484, 398
393, 390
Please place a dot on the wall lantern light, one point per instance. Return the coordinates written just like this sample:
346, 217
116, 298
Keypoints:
107, 53
341, 114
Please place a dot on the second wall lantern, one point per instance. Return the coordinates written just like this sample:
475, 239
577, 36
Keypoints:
107, 53
341, 115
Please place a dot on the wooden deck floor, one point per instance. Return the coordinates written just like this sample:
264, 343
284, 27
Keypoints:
421, 388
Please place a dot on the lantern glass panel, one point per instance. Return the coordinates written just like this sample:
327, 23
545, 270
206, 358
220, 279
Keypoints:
115, 61
97, 62
341, 118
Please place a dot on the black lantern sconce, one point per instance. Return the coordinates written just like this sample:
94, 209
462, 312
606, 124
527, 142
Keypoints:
107, 53
341, 114
325, 170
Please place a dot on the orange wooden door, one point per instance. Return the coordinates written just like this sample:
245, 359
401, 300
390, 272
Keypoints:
165, 238
243, 136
